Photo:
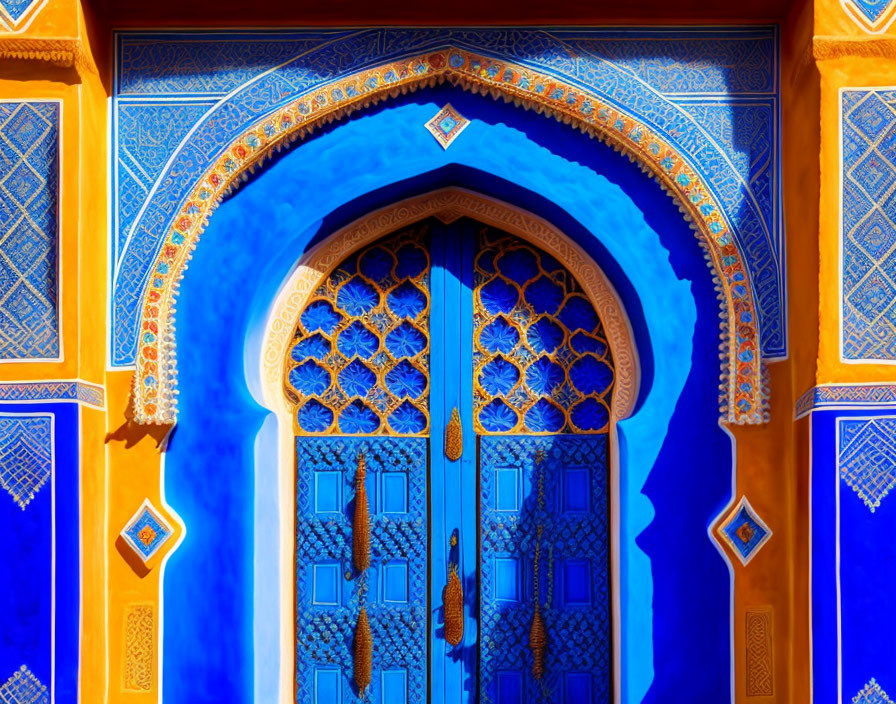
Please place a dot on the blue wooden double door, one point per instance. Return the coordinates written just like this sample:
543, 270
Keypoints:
451, 386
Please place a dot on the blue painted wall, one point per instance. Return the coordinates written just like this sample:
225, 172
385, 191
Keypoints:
676, 462
853, 554
27, 587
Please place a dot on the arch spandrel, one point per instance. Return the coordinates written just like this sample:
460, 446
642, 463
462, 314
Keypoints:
741, 393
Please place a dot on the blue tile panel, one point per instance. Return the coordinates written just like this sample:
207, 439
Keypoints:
26, 456
29, 181
559, 484
329, 592
868, 255
40, 569
853, 555
867, 457
713, 94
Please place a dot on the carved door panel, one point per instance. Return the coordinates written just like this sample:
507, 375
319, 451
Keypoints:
542, 383
465, 326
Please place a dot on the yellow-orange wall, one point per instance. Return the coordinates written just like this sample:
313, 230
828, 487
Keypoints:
822, 50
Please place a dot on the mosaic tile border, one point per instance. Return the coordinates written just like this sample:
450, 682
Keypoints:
84, 392
843, 396
16, 15
742, 394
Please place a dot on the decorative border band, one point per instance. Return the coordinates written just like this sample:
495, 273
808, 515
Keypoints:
30, 391
742, 391
829, 396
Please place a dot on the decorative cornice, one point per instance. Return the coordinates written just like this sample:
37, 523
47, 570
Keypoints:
828, 48
67, 53
449, 204
742, 392
846, 396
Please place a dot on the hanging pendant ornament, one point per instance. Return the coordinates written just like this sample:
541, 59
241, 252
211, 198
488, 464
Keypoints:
363, 663
453, 602
454, 437
361, 520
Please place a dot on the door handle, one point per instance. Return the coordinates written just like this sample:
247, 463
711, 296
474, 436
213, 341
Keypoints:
453, 600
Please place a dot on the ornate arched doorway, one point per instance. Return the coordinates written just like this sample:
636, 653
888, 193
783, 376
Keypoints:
450, 389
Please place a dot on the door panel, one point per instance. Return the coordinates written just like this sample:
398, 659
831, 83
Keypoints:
329, 590
544, 511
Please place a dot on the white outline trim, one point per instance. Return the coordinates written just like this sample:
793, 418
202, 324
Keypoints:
164, 562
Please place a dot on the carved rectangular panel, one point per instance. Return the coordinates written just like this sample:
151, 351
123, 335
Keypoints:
139, 629
329, 590
759, 636
545, 539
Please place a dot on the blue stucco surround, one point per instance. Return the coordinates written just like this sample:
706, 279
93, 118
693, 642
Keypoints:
221, 586
180, 99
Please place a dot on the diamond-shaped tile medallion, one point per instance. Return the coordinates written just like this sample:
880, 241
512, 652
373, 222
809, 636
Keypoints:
872, 694
24, 688
744, 531
146, 532
447, 125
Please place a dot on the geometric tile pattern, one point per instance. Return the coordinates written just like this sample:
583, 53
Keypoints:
29, 179
541, 360
447, 124
744, 531
683, 84
147, 531
26, 455
868, 253
24, 688
872, 693
867, 457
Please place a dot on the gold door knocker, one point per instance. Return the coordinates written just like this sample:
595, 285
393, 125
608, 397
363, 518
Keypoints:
453, 600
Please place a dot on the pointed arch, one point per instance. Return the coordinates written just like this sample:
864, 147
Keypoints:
741, 390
